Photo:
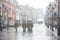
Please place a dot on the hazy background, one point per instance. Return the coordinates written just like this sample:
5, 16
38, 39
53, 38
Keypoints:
35, 3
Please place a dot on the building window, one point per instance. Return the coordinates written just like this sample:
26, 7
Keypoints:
3, 5
9, 9
7, 0
5, 8
0, 5
55, 14
12, 2
53, 8
50, 10
12, 11
55, 4
50, 5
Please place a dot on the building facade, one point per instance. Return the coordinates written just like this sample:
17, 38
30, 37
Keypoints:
53, 16
51, 13
7, 19
52, 10
18, 14
7, 13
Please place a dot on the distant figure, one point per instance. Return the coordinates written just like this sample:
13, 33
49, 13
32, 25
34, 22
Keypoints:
28, 24
0, 28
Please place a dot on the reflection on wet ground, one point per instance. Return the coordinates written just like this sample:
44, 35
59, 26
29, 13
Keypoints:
27, 36
40, 32
51, 35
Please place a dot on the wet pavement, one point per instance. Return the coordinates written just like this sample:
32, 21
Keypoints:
3, 35
8, 34
40, 32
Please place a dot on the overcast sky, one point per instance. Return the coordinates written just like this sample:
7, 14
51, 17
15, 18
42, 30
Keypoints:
35, 3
